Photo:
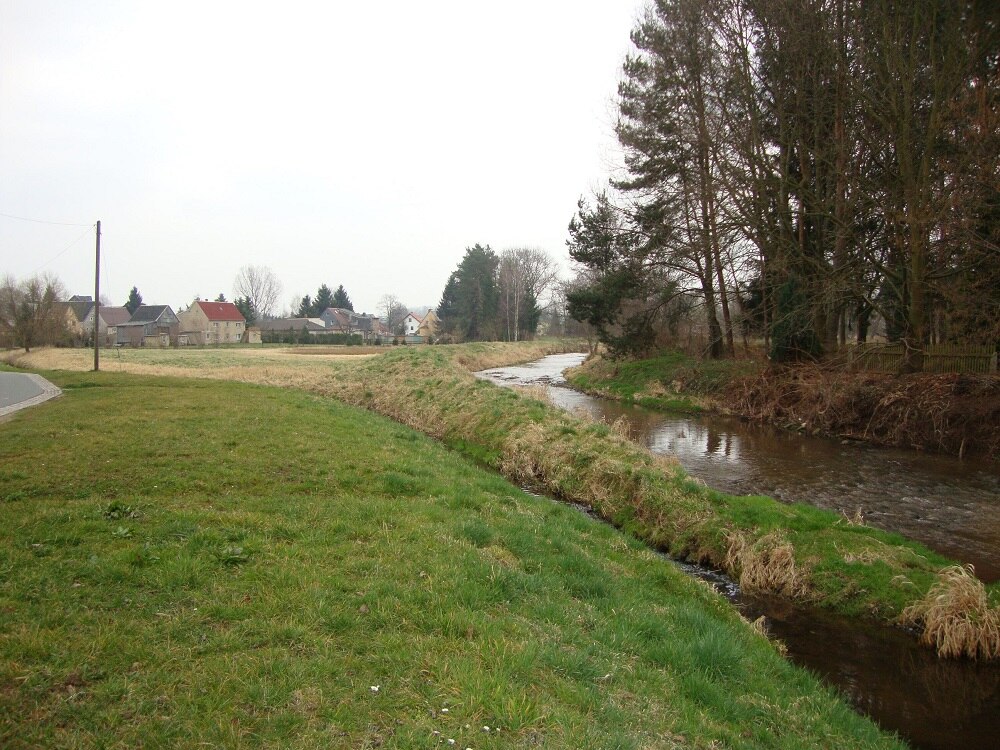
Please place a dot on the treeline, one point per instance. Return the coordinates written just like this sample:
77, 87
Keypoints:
31, 312
492, 297
313, 307
797, 169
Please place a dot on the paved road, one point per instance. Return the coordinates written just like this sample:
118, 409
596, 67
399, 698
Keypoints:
20, 390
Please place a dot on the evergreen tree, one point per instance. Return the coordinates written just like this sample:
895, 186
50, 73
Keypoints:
305, 308
134, 301
246, 308
341, 300
322, 300
470, 304
447, 310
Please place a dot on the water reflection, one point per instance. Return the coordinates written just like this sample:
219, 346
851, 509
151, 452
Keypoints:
952, 506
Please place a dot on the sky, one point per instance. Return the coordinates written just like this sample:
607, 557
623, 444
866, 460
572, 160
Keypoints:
365, 144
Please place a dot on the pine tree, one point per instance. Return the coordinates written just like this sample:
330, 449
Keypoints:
341, 300
322, 300
134, 301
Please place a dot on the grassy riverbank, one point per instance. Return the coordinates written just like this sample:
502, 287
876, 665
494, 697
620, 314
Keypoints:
793, 550
671, 381
188, 562
954, 414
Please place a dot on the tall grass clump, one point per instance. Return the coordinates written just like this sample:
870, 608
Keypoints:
956, 616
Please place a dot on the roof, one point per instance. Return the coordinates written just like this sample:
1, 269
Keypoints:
148, 313
416, 317
291, 324
222, 311
114, 316
80, 307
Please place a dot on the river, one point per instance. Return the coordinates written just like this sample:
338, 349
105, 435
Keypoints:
951, 505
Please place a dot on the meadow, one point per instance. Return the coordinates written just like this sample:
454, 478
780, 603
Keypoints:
192, 562
796, 551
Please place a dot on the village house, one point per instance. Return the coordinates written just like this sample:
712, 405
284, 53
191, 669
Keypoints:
212, 323
428, 325
80, 311
291, 326
339, 320
411, 324
150, 325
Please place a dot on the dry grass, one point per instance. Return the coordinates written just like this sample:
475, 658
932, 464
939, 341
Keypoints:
536, 392
765, 564
956, 616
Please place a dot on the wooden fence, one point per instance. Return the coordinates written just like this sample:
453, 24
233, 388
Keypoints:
937, 358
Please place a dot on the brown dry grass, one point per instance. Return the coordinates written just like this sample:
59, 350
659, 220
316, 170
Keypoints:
766, 564
956, 616
956, 414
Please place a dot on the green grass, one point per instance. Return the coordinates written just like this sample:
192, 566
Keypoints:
189, 562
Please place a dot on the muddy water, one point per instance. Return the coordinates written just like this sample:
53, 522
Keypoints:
949, 505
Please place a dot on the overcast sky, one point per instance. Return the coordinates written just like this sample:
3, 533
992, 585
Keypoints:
364, 144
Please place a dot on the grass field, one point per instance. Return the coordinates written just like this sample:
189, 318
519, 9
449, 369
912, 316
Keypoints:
796, 551
202, 563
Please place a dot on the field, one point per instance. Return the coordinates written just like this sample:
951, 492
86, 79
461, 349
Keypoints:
797, 551
195, 562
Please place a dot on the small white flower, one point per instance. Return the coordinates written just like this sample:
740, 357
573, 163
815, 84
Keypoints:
451, 741
374, 688
444, 710
486, 729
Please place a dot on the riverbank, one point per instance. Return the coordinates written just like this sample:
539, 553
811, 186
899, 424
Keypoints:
796, 551
224, 564
953, 414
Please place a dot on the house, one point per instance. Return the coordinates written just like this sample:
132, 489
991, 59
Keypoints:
411, 324
289, 329
110, 318
339, 320
150, 325
212, 323
428, 325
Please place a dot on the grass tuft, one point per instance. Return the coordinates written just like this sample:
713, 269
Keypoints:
956, 616
766, 564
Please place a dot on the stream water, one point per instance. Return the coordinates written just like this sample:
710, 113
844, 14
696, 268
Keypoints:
950, 505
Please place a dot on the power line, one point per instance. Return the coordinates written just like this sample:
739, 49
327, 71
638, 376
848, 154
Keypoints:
50, 223
63, 251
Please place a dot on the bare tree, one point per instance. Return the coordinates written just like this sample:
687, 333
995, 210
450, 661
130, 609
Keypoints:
259, 286
526, 274
393, 311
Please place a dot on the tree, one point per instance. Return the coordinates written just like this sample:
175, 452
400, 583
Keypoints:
322, 300
341, 300
447, 309
393, 312
525, 275
247, 310
620, 292
305, 308
221, 297
259, 287
32, 311
134, 301
469, 305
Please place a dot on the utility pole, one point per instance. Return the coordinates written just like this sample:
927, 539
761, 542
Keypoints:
97, 302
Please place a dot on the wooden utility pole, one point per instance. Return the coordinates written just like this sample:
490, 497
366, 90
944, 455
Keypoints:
97, 302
